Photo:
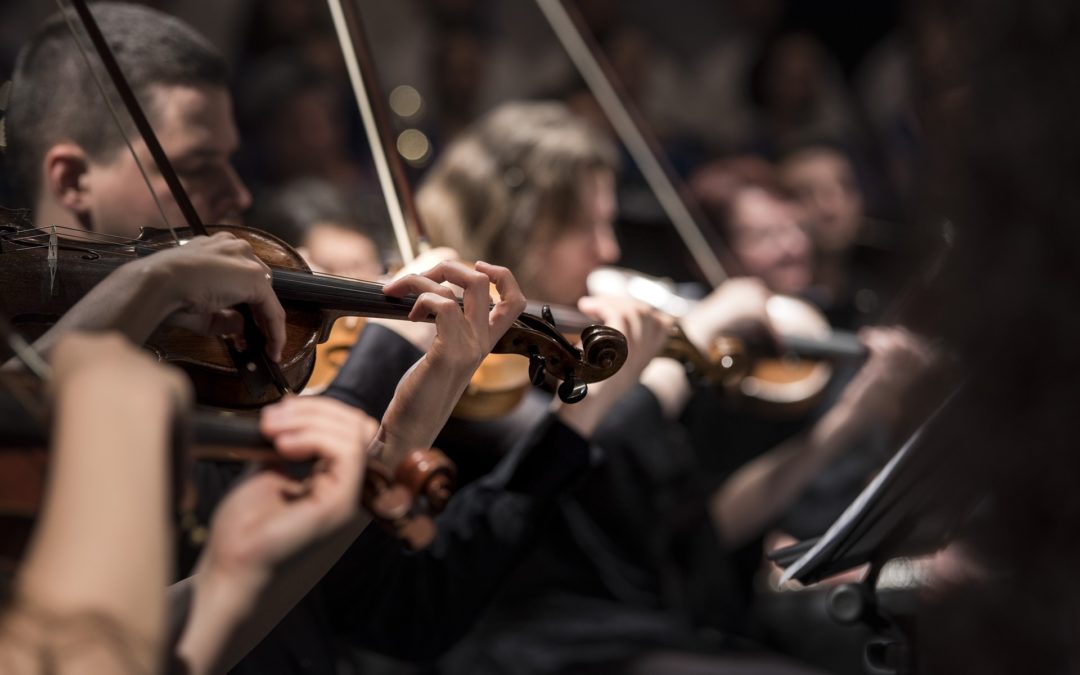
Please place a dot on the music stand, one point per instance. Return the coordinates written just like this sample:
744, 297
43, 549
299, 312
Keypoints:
898, 514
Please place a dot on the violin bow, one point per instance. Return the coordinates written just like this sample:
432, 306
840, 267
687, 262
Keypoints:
36, 365
599, 75
408, 230
255, 368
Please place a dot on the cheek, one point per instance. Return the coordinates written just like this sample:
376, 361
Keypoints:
123, 207
756, 260
561, 272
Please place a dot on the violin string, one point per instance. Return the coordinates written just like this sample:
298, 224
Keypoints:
341, 288
92, 237
84, 235
345, 289
115, 115
356, 293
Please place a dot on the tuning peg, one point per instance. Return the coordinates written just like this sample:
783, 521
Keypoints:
537, 369
572, 390
545, 312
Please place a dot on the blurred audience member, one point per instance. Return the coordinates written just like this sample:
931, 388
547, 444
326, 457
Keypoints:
722, 113
316, 217
797, 94
294, 118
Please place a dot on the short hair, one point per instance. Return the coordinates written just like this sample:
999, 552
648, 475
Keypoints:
292, 210
510, 181
55, 99
717, 185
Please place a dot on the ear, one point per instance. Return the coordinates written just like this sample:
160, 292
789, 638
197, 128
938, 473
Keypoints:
65, 171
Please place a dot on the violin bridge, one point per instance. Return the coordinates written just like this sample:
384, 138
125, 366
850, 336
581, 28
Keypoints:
53, 258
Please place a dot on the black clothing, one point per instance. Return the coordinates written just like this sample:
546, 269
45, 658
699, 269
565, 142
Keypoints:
630, 566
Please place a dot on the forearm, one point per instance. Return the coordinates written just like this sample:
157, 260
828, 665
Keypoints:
760, 491
666, 379
133, 301
70, 569
422, 404
229, 614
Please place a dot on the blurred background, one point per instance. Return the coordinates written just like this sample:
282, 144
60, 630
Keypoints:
720, 83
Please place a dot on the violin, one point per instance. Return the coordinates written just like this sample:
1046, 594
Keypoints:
403, 500
45, 275
784, 377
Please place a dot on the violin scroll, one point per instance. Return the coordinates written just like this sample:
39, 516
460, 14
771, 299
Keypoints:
550, 354
406, 501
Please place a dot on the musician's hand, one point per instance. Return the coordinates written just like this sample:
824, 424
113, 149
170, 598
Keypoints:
206, 277
464, 336
646, 332
270, 517
420, 334
898, 359
273, 537
737, 306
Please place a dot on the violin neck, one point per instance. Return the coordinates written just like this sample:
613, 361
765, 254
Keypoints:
840, 346
567, 319
340, 295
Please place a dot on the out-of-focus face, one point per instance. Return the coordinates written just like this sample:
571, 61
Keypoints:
825, 185
794, 77
196, 130
343, 252
565, 263
768, 240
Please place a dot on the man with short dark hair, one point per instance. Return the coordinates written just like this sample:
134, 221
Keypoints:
68, 157
71, 163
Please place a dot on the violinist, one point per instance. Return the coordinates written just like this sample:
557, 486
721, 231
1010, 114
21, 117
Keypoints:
324, 225
70, 163
375, 595
766, 230
531, 186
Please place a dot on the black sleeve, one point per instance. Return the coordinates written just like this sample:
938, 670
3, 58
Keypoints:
415, 605
375, 365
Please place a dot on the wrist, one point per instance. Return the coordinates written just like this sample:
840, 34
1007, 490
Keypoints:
666, 379
220, 602
157, 287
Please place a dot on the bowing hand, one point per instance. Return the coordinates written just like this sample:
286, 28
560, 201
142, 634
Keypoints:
270, 517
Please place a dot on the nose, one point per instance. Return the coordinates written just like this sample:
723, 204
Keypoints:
606, 244
235, 198
796, 243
